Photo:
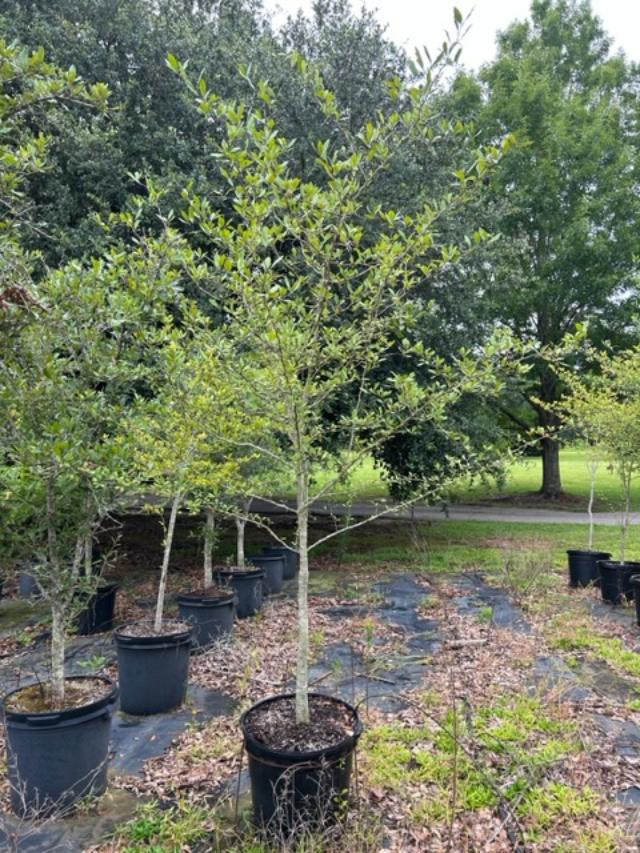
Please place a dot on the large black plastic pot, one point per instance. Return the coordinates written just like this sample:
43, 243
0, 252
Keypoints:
273, 566
290, 559
615, 580
583, 567
28, 586
98, 614
298, 790
153, 671
56, 758
210, 615
247, 586
635, 585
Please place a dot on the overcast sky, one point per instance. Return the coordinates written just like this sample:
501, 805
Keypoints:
418, 22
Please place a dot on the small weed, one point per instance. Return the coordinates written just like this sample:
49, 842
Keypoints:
94, 663
166, 830
485, 614
548, 804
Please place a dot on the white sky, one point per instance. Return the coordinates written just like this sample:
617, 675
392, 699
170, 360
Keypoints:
419, 22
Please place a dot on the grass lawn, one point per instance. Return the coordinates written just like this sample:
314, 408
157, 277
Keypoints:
525, 476
523, 479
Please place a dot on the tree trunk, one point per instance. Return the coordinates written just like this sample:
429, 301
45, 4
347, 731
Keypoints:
302, 668
168, 541
209, 539
551, 482
549, 422
240, 525
57, 654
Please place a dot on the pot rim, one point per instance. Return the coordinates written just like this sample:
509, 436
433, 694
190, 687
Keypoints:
589, 552
617, 564
310, 755
41, 718
200, 597
241, 573
151, 639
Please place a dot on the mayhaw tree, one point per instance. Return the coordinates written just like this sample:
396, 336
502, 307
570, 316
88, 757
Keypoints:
317, 289
76, 361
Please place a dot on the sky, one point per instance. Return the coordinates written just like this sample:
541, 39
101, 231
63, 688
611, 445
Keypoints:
420, 22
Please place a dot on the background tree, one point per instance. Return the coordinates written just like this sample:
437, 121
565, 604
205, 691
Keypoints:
568, 203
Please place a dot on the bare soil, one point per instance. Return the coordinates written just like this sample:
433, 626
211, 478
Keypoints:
275, 725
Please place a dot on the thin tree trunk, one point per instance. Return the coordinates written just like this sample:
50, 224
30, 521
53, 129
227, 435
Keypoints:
240, 526
168, 541
626, 485
302, 669
209, 539
88, 554
592, 495
57, 653
57, 601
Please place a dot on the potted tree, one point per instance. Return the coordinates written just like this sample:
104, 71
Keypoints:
65, 383
262, 476
607, 404
172, 435
39, 483
314, 307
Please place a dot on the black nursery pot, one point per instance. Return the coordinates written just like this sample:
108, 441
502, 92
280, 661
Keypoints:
28, 586
615, 580
635, 585
290, 559
211, 616
583, 567
56, 758
153, 671
293, 790
273, 566
98, 614
247, 586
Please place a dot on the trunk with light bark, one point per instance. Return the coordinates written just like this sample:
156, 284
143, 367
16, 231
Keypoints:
168, 541
240, 527
302, 668
209, 539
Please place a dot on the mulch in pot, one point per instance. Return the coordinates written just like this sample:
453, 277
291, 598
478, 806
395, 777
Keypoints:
275, 725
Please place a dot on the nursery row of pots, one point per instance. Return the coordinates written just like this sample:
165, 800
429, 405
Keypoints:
56, 758
618, 581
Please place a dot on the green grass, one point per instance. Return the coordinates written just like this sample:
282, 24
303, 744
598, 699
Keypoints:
524, 477
456, 545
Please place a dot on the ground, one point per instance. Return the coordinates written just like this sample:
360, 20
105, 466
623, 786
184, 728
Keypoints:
501, 710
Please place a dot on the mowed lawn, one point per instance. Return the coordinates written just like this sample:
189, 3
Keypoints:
523, 479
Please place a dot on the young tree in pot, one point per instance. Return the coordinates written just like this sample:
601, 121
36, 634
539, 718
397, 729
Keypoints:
607, 406
262, 479
175, 454
318, 288
64, 386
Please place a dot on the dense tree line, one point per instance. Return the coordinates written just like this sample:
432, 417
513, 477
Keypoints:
563, 205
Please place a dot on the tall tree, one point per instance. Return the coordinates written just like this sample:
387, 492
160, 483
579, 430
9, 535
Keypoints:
568, 194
